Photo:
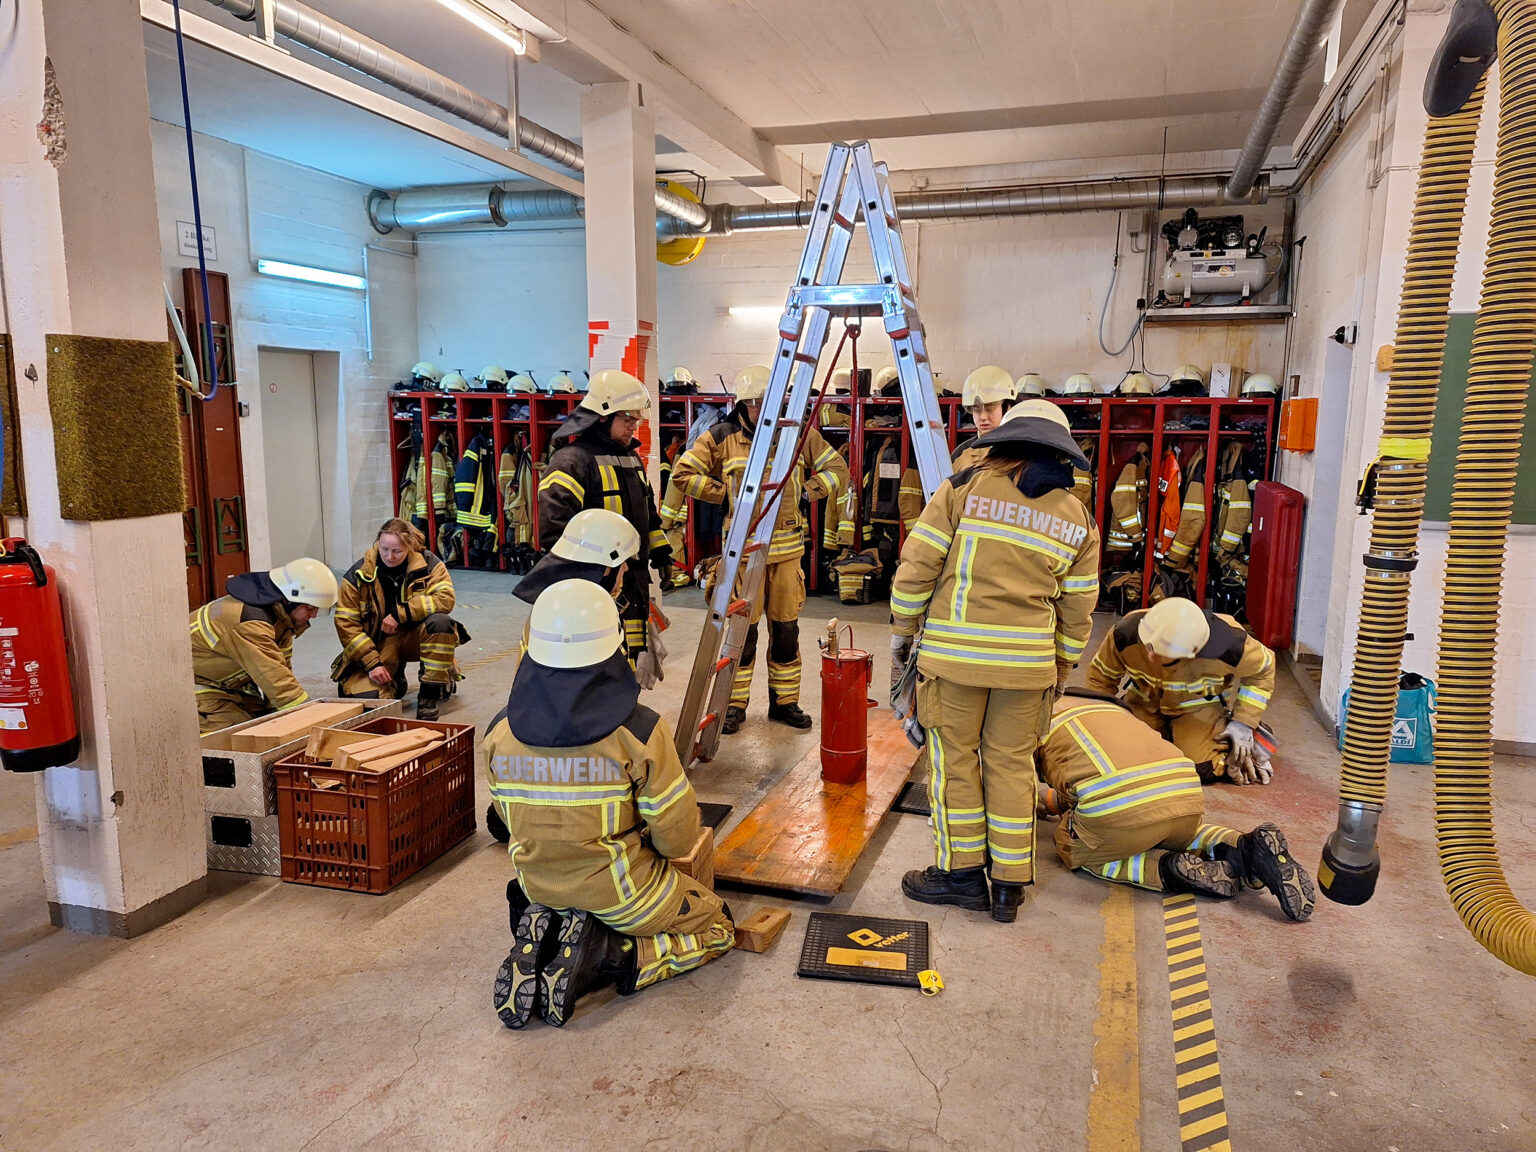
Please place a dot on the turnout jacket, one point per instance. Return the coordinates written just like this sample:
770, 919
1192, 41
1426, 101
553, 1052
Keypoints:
242, 643
713, 468
1128, 503
1231, 659
474, 485
1007, 582
1110, 766
362, 604
592, 791
1182, 518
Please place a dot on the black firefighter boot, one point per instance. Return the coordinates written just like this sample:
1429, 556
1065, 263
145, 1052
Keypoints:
589, 956
791, 714
496, 826
428, 698
731, 722
519, 984
1007, 895
1263, 857
964, 887
1182, 872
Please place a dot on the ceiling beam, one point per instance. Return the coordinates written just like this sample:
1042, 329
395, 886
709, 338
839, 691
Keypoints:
685, 113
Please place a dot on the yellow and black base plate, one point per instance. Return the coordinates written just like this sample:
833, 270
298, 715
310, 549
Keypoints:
866, 949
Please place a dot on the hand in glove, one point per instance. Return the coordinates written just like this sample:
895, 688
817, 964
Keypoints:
661, 564
901, 652
1262, 773
647, 670
1240, 760
1063, 674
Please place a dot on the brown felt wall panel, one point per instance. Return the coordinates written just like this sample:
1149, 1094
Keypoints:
13, 492
116, 429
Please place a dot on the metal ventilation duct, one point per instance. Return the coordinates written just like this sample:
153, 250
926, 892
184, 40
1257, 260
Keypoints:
319, 33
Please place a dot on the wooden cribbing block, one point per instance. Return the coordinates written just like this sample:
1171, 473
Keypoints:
288, 726
761, 929
385, 763
700, 861
324, 743
357, 757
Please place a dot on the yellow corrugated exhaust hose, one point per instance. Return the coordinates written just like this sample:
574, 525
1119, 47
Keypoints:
1504, 346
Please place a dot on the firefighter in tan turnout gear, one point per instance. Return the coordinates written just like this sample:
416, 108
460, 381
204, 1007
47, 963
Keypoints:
1195, 677
595, 797
711, 470
1001, 573
1132, 812
394, 609
987, 394
242, 643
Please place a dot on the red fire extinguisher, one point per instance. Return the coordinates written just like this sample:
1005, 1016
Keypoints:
845, 675
37, 708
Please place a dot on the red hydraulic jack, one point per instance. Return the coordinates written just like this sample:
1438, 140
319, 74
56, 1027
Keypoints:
846, 674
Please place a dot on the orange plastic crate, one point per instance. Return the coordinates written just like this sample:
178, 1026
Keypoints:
366, 831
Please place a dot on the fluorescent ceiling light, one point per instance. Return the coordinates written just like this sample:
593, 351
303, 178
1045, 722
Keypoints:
312, 275
489, 22
755, 311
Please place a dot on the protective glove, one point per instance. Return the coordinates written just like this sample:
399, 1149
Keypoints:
1262, 772
647, 670
901, 652
661, 564
1063, 674
1240, 760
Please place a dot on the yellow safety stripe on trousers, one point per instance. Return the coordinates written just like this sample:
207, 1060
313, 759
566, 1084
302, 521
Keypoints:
1019, 538
688, 953
1132, 870
1170, 779
999, 828
1208, 835
629, 914
564, 480
1197, 1066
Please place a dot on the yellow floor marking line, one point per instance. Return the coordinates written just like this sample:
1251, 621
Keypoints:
1197, 1066
18, 836
1114, 1102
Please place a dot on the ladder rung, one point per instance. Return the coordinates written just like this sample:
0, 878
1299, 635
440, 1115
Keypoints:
737, 608
707, 721
722, 664
755, 546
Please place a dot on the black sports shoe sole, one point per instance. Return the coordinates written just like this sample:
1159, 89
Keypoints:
982, 903
1267, 857
518, 983
559, 972
1204, 877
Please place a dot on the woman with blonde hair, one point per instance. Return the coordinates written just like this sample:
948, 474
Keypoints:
393, 609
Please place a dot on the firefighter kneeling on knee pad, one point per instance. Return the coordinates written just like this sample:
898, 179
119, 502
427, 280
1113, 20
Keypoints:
1132, 812
589, 783
1001, 570
1197, 678
394, 609
711, 469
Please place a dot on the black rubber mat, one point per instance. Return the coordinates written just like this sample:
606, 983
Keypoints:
913, 798
866, 949
713, 815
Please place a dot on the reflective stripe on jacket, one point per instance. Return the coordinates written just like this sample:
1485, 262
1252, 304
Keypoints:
1128, 503
361, 606
474, 491
1233, 670
1111, 767
246, 649
1005, 584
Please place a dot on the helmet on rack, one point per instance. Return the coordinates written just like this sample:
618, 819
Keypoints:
841, 383
1174, 628
493, 374
523, 382
751, 384
1187, 381
306, 581
883, 379
574, 624
1261, 384
1036, 421
425, 373
1029, 384
681, 375
454, 382
613, 390
988, 384
561, 382
1137, 384
1080, 384
598, 536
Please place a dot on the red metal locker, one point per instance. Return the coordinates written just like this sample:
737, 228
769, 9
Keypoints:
1274, 562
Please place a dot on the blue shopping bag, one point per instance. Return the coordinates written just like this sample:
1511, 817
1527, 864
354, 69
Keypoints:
1413, 727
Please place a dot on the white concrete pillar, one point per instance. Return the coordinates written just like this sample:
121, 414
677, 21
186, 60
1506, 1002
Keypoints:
618, 138
121, 828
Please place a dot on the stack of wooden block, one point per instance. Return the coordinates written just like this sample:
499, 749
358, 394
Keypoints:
349, 751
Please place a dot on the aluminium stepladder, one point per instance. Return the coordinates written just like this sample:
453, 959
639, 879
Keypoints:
852, 185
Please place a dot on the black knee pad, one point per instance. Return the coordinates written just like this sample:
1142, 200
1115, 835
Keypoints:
438, 623
749, 647
345, 695
783, 641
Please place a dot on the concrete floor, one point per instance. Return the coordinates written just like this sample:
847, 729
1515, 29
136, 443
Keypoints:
281, 1017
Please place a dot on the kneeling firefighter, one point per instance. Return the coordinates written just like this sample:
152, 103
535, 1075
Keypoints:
394, 609
711, 470
1001, 572
1197, 678
595, 465
597, 545
242, 643
1132, 812
589, 783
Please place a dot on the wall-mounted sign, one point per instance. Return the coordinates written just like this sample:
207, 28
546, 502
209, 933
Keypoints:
186, 240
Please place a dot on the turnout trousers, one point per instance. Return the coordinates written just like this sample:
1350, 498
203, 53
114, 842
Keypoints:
981, 773
1127, 852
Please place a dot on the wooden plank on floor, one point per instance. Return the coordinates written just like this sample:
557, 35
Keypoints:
805, 836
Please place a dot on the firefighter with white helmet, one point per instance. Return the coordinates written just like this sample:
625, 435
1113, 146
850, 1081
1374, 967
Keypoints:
1000, 575
589, 783
711, 470
596, 465
242, 643
987, 395
1196, 677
